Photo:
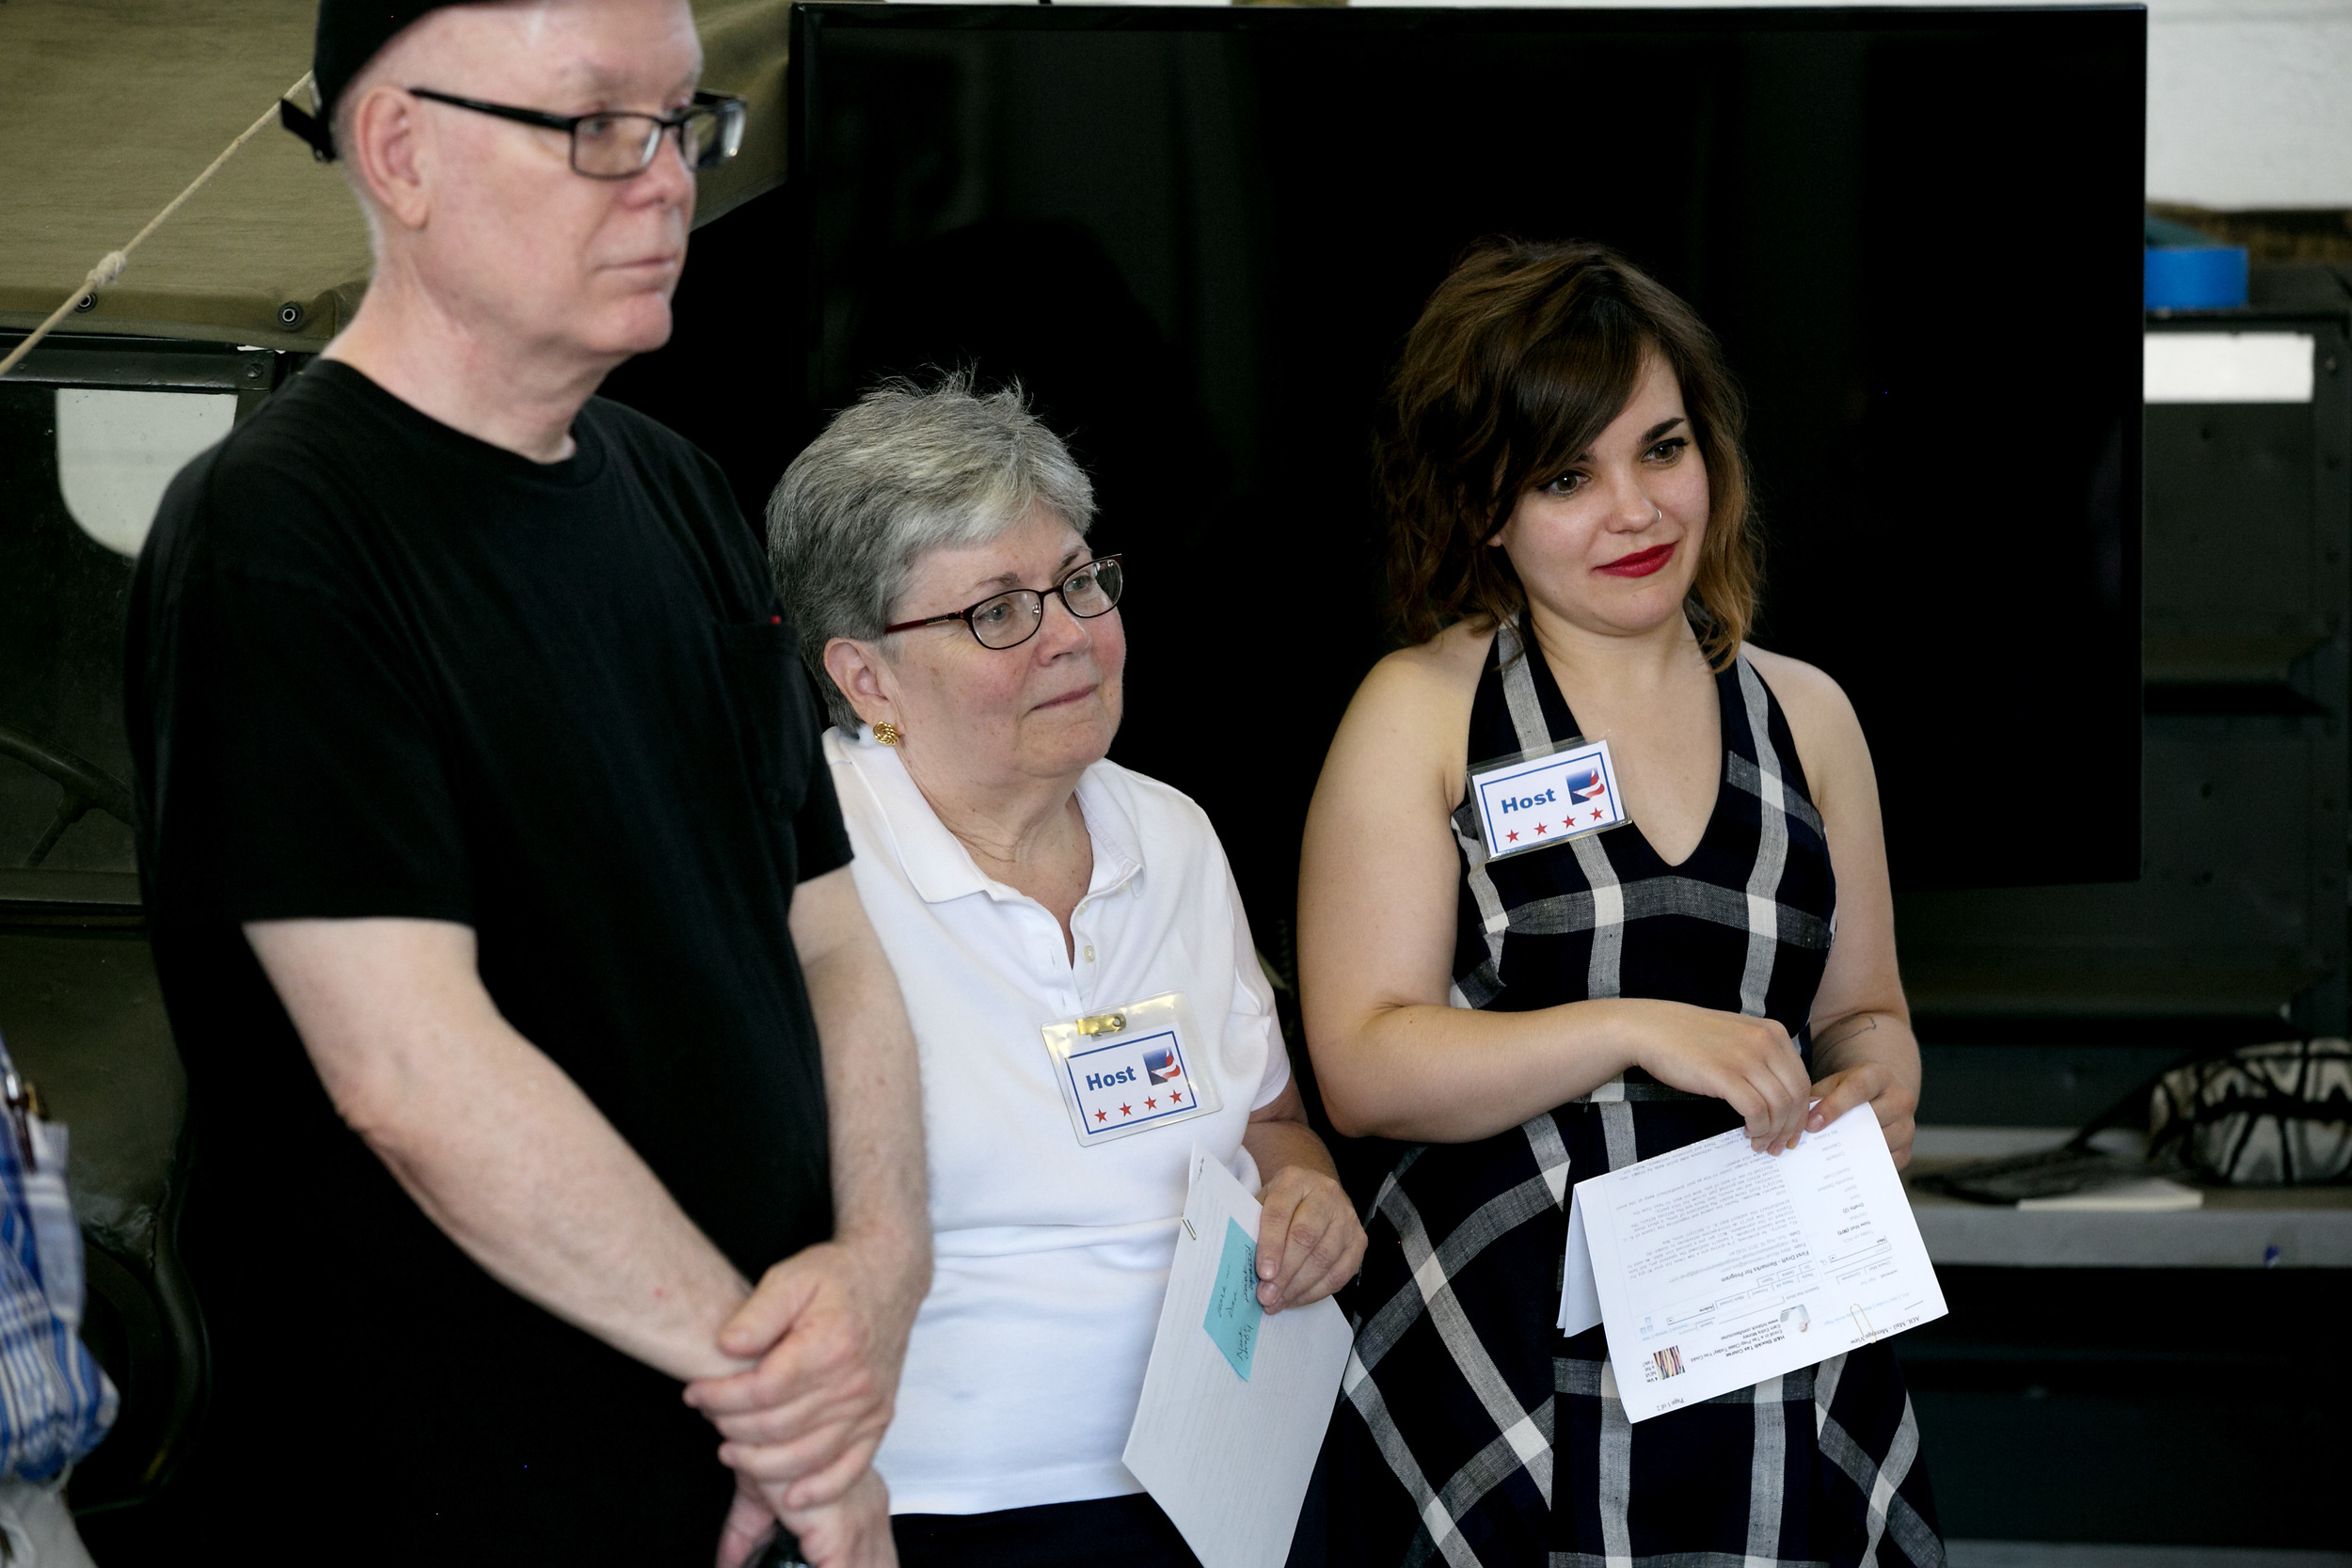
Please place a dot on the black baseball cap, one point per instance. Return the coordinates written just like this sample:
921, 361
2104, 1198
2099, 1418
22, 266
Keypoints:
350, 32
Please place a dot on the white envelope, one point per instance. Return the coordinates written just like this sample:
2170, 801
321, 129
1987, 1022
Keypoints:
1229, 1459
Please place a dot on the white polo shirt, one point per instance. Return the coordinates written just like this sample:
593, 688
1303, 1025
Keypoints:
1050, 1259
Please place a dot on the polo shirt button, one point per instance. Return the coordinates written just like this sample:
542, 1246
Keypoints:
1089, 952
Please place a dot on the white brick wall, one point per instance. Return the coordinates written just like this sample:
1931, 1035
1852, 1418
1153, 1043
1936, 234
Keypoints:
2249, 103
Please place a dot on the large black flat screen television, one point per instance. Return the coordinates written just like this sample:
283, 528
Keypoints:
1197, 236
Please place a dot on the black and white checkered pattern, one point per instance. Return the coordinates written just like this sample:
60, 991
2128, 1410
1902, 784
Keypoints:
1470, 1432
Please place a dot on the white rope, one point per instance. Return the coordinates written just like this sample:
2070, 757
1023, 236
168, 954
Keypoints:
110, 265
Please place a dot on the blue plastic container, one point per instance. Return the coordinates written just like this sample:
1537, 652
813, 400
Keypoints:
2196, 277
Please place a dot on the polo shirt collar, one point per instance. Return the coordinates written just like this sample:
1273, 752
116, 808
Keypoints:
1117, 844
939, 867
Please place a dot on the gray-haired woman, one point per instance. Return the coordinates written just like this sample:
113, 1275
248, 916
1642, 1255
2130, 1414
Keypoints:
1050, 915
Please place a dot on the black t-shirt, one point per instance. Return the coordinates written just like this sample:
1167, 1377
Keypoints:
380, 668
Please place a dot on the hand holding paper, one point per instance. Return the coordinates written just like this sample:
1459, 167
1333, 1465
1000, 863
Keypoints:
1715, 1267
1233, 1311
1235, 1401
1310, 1242
1745, 1062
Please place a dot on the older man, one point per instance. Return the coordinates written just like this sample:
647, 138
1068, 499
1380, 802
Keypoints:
497, 886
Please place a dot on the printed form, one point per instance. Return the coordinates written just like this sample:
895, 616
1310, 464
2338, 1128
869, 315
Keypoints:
1715, 1267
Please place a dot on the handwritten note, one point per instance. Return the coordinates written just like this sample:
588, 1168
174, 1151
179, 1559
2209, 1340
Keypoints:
1233, 1310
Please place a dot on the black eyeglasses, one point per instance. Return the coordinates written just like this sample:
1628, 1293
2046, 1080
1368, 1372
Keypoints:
1008, 620
615, 144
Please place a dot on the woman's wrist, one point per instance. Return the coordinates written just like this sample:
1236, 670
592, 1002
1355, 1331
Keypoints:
1621, 1035
1279, 1145
1872, 1038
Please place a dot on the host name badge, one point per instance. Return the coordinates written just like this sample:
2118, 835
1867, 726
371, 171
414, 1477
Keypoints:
1530, 802
1128, 1071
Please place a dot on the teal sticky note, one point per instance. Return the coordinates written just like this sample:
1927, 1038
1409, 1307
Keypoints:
1233, 1310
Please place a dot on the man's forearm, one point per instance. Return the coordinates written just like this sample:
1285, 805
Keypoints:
537, 1188
494, 1142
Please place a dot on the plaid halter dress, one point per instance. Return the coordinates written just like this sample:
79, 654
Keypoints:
1470, 1432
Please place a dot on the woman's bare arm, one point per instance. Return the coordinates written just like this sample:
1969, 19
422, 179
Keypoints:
1863, 1051
1377, 887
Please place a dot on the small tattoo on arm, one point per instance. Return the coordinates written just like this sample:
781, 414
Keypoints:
1851, 1028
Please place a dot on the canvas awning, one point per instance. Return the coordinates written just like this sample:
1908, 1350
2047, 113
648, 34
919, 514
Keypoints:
109, 107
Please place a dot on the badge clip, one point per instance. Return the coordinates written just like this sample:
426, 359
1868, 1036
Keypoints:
1132, 1069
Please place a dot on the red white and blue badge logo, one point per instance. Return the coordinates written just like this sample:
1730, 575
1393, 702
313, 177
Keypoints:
1163, 1065
1588, 786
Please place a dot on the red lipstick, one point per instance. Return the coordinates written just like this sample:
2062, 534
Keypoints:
1641, 564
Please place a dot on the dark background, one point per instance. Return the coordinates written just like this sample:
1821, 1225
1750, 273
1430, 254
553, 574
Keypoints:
61, 604
1197, 238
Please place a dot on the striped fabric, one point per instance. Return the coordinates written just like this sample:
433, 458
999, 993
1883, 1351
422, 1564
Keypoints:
55, 1402
1471, 1431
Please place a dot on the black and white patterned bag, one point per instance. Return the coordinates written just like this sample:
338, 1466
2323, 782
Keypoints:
2264, 1116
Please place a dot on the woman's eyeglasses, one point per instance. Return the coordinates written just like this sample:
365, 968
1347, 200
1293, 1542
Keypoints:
1008, 620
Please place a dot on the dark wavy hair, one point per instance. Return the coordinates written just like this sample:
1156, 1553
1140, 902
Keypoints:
1523, 356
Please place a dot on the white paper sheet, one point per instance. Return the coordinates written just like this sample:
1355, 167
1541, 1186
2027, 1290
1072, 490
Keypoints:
1229, 1459
1579, 1298
1715, 1267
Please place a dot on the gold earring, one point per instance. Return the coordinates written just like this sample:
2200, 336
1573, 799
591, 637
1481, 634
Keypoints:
887, 733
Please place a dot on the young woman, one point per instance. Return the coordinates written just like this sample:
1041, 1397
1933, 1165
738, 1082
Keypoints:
1570, 556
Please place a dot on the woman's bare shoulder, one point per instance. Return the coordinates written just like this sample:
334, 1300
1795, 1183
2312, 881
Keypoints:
1821, 717
1414, 705
1443, 671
